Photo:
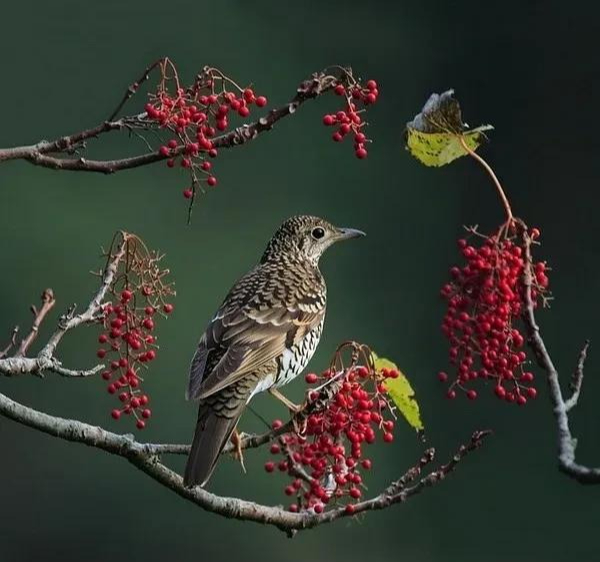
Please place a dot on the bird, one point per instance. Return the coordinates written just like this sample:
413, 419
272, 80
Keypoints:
261, 337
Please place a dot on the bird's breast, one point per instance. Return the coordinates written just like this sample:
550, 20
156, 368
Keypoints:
294, 359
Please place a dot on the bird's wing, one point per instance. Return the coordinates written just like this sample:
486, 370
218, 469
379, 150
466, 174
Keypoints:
258, 320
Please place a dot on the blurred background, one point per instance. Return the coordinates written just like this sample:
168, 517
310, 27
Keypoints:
529, 68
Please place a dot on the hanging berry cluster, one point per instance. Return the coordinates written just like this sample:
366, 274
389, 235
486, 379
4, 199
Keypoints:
486, 299
349, 120
194, 116
140, 296
325, 458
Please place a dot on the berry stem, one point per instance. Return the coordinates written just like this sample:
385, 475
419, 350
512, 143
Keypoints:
488, 169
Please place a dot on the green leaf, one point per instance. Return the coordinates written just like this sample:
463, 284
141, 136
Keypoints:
434, 136
401, 393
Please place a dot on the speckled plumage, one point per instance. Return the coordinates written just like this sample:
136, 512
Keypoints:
262, 336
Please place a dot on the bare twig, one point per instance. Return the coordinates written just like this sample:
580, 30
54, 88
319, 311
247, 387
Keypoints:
48, 302
577, 378
46, 360
133, 88
566, 442
41, 153
12, 343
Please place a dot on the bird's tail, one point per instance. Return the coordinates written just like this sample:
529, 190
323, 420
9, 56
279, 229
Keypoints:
212, 433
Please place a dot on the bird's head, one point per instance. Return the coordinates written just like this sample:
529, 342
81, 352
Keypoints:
306, 237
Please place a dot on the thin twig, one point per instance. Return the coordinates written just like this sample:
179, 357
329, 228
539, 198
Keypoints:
12, 343
48, 302
133, 88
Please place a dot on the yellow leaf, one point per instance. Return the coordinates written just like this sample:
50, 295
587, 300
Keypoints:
439, 149
401, 393
434, 136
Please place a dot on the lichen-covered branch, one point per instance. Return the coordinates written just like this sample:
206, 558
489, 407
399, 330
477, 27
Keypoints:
561, 407
146, 458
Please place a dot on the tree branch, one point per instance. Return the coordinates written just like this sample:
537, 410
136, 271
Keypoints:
566, 442
145, 457
42, 153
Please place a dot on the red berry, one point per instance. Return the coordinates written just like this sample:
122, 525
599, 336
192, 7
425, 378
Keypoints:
328, 120
388, 437
500, 392
168, 308
337, 137
164, 151
101, 353
350, 509
276, 424
471, 394
261, 101
188, 193
318, 507
248, 95
355, 493
442, 377
311, 378
116, 414
270, 466
212, 181
140, 424
339, 90
146, 413
361, 153
372, 85
451, 394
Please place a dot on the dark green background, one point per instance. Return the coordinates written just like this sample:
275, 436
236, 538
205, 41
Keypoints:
529, 68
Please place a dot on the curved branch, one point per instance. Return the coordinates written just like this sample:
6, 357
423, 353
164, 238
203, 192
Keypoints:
40, 154
566, 442
145, 457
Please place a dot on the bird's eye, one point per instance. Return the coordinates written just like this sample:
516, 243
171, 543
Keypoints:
318, 233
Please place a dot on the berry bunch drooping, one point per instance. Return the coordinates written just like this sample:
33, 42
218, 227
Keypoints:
325, 458
486, 299
140, 297
349, 120
195, 116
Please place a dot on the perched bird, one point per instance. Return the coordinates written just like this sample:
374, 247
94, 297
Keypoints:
262, 336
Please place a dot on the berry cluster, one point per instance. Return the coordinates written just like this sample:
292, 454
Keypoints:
195, 115
325, 457
139, 294
486, 299
350, 120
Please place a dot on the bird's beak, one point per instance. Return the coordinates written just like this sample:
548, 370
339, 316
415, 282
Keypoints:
347, 233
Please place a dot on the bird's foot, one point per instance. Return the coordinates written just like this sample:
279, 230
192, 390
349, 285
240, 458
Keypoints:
238, 454
293, 408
